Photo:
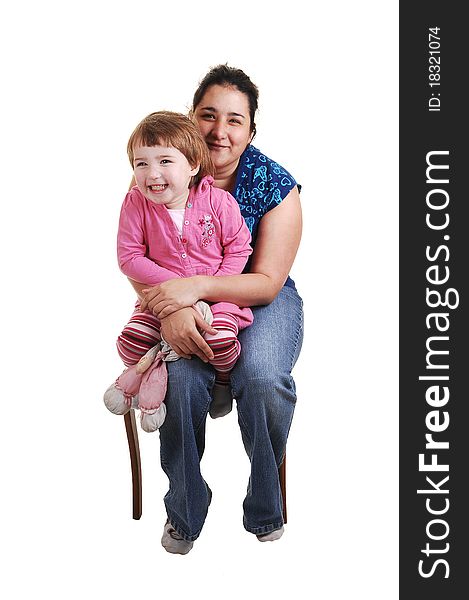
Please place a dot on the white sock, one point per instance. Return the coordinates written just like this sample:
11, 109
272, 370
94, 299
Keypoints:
172, 542
272, 536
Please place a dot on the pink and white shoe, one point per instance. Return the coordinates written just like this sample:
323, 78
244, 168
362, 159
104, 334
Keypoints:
122, 395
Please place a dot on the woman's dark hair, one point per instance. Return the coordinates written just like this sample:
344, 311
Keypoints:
229, 76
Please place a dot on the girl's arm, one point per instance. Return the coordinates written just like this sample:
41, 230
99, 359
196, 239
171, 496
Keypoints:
131, 246
276, 247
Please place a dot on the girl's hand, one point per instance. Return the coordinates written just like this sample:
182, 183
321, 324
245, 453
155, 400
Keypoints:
181, 330
170, 296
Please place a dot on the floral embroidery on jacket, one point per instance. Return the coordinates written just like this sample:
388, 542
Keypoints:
208, 230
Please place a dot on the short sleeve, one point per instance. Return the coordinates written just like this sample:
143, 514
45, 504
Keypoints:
261, 184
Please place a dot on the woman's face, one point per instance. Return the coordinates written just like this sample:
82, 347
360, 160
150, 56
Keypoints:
223, 119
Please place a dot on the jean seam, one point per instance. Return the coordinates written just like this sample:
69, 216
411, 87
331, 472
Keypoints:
178, 528
181, 532
245, 429
206, 409
299, 333
264, 528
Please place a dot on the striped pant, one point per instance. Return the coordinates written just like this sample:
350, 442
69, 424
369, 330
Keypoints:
142, 332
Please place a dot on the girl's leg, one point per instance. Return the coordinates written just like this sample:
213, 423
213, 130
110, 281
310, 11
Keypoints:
265, 393
226, 349
225, 346
182, 438
140, 334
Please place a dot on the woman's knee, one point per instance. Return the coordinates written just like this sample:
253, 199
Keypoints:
269, 392
189, 378
271, 346
264, 383
269, 366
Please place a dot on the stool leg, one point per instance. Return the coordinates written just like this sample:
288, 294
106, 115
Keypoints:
283, 486
132, 438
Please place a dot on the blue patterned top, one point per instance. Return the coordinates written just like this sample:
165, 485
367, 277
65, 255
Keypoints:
261, 184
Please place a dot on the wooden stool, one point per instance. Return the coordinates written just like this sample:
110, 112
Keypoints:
132, 438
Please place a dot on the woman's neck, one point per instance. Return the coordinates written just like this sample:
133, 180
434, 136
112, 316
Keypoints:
226, 178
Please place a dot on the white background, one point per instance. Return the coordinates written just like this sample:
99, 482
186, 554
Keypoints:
76, 80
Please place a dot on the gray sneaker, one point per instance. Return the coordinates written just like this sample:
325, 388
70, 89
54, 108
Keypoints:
172, 542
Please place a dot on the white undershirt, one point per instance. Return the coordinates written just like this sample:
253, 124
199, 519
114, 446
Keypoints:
177, 215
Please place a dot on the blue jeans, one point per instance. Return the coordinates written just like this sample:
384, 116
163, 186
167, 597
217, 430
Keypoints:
265, 394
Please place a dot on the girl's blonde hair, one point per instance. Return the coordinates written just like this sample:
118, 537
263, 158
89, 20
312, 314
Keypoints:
165, 128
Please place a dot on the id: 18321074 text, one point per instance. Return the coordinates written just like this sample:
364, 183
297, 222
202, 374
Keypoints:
434, 69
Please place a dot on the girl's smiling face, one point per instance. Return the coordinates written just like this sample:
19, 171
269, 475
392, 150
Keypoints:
163, 175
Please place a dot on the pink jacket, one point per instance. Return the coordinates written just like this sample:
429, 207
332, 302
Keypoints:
215, 238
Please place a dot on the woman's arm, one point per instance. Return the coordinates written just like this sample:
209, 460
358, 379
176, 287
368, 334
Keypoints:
276, 247
182, 330
138, 287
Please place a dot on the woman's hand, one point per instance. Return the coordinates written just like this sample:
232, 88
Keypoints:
170, 296
181, 330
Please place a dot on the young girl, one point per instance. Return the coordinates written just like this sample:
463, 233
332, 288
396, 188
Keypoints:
174, 223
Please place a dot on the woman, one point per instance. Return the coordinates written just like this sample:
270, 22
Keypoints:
224, 108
